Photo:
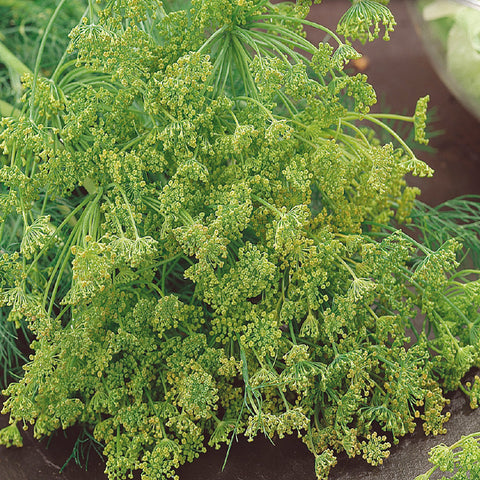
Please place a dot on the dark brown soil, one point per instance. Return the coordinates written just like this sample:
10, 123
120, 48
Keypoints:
400, 72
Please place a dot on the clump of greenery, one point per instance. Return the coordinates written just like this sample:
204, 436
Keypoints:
22, 25
458, 217
462, 459
205, 243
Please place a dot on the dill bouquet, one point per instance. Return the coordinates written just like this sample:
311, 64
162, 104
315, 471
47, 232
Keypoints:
200, 231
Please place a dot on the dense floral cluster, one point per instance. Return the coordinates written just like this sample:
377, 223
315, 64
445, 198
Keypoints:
461, 460
202, 243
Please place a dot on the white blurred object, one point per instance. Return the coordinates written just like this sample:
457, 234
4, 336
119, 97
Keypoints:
450, 30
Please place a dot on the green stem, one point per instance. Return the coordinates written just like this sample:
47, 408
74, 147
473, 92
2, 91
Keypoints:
345, 264
242, 60
297, 20
57, 230
266, 204
39, 56
61, 64
392, 116
66, 253
276, 46
304, 140
292, 332
212, 38
357, 131
90, 10
256, 102
374, 120
284, 35
130, 213
288, 103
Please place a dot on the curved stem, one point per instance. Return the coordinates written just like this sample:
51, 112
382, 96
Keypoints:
212, 38
266, 204
57, 230
298, 20
39, 56
374, 119
256, 102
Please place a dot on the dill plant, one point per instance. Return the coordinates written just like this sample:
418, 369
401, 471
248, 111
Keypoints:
22, 24
461, 460
207, 244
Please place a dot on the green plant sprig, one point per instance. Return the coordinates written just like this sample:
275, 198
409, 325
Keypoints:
461, 458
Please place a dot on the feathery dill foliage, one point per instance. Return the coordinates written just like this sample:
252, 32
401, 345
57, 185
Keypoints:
458, 217
203, 244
